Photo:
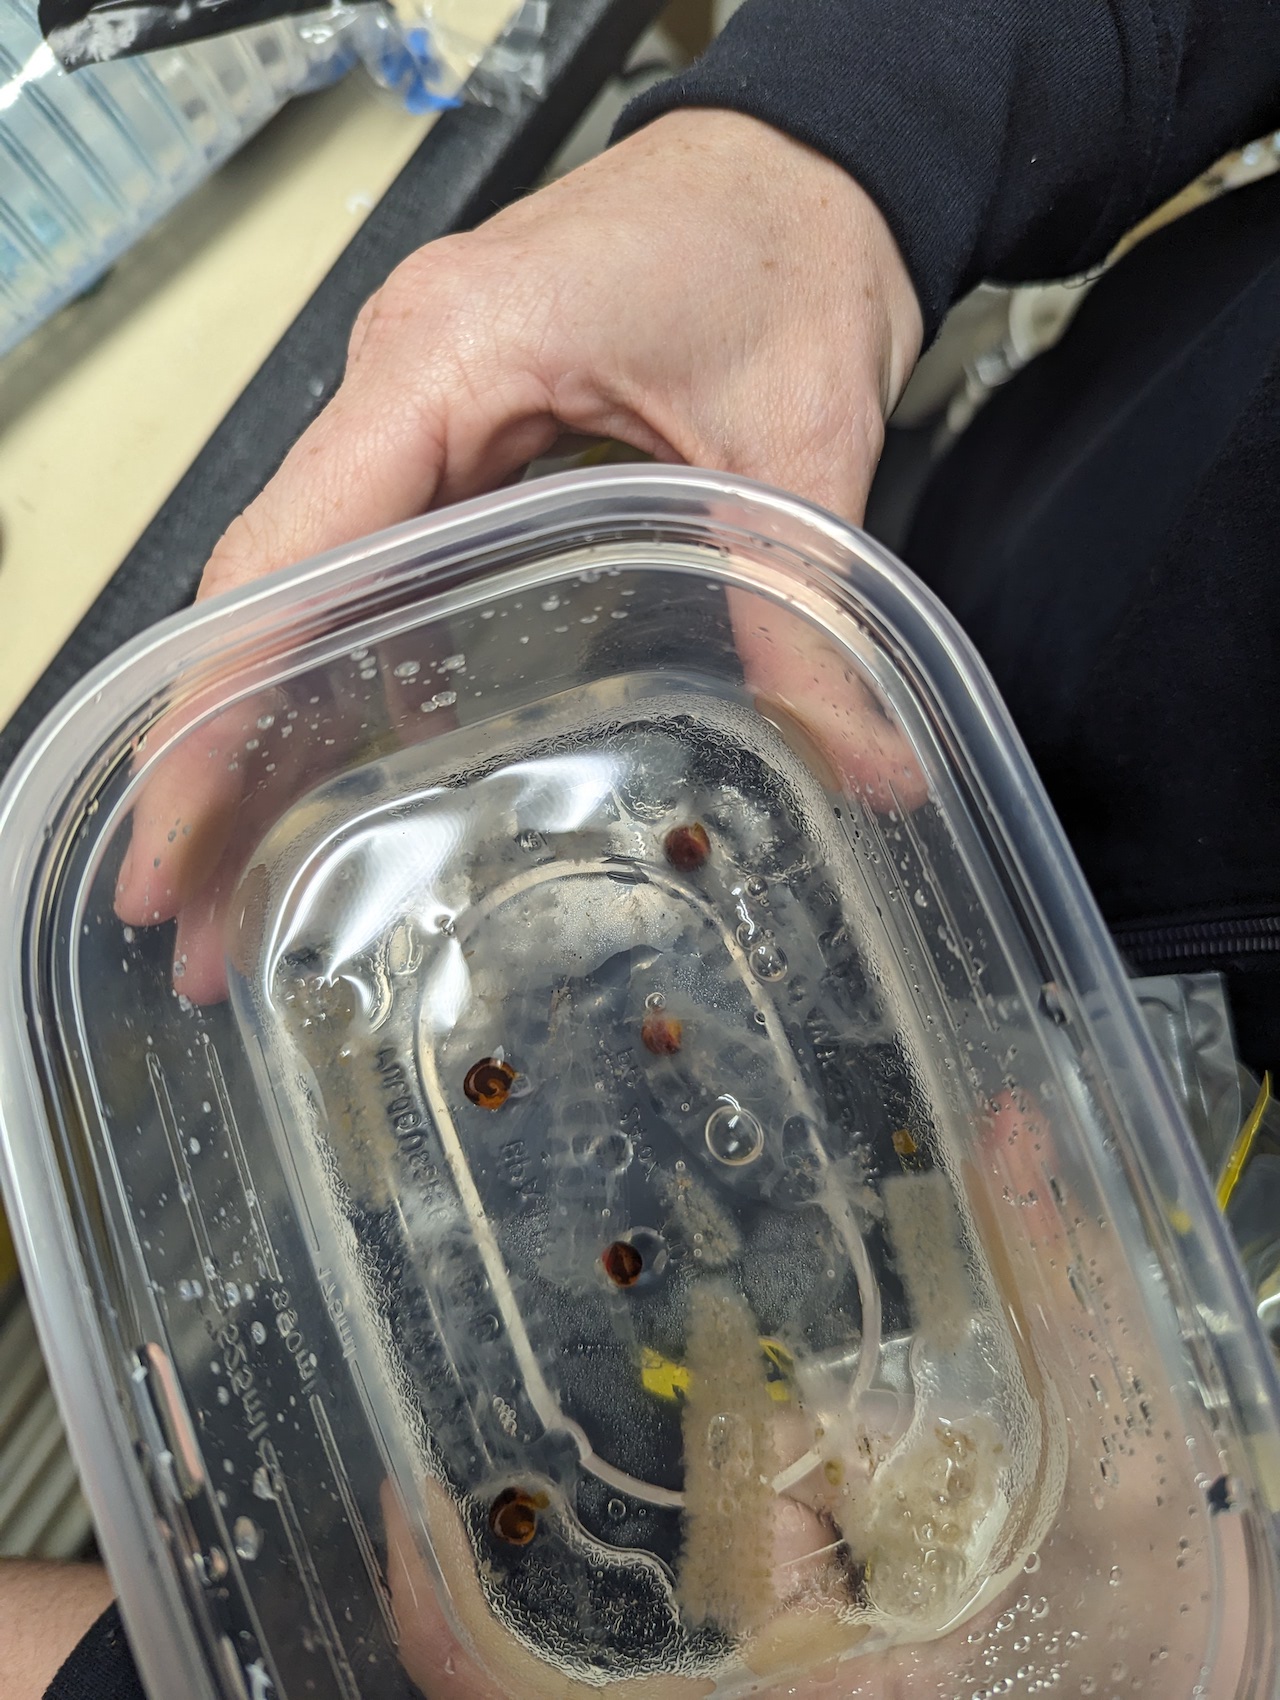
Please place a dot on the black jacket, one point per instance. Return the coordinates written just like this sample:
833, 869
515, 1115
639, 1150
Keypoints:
1109, 529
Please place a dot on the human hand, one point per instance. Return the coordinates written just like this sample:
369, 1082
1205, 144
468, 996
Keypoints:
709, 291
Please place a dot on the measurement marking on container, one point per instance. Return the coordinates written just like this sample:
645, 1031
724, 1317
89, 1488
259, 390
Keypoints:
266, 1666
359, 1528
318, 1605
186, 1184
232, 1127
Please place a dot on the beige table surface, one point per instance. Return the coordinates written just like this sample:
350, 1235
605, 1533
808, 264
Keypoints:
105, 408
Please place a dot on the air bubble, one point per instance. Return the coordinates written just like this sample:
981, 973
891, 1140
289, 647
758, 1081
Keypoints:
259, 1334
262, 1488
767, 961
617, 1509
530, 840
247, 1538
733, 1134
757, 887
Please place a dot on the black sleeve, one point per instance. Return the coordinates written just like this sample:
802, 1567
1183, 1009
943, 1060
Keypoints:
1012, 139
100, 1667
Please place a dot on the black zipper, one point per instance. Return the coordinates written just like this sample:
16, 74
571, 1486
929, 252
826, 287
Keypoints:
1186, 943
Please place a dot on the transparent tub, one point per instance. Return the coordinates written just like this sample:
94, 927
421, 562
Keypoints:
573, 1129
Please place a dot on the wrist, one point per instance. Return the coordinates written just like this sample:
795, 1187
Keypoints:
795, 198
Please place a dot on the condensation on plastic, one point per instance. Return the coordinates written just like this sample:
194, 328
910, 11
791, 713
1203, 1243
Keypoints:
90, 160
599, 1191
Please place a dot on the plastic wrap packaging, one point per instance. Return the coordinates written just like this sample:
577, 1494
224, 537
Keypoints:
110, 115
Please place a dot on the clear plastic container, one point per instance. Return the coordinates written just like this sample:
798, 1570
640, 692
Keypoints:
90, 160
573, 1129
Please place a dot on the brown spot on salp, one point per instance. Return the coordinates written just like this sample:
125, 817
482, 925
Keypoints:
903, 1143
489, 1082
660, 1033
623, 1264
513, 1516
687, 847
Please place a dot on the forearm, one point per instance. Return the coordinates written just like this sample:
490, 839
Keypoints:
1009, 138
44, 1611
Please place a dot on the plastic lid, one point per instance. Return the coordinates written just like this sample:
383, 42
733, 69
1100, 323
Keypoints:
572, 1124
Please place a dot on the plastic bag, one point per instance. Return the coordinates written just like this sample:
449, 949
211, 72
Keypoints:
433, 53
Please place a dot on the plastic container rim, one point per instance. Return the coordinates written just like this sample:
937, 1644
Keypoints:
635, 499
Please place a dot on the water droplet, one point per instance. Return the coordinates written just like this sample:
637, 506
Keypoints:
262, 1488
445, 699
549, 604
193, 1146
756, 887
407, 669
655, 1000
258, 1333
224, 1396
767, 961
617, 1509
452, 664
189, 1289
247, 1538
1114, 1576
733, 1134
233, 1293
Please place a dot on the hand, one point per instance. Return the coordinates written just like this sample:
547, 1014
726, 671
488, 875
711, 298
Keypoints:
709, 291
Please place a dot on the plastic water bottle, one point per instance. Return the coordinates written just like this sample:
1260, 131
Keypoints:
90, 159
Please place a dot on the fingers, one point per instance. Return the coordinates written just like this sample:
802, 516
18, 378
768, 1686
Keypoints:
822, 708
439, 402
183, 819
